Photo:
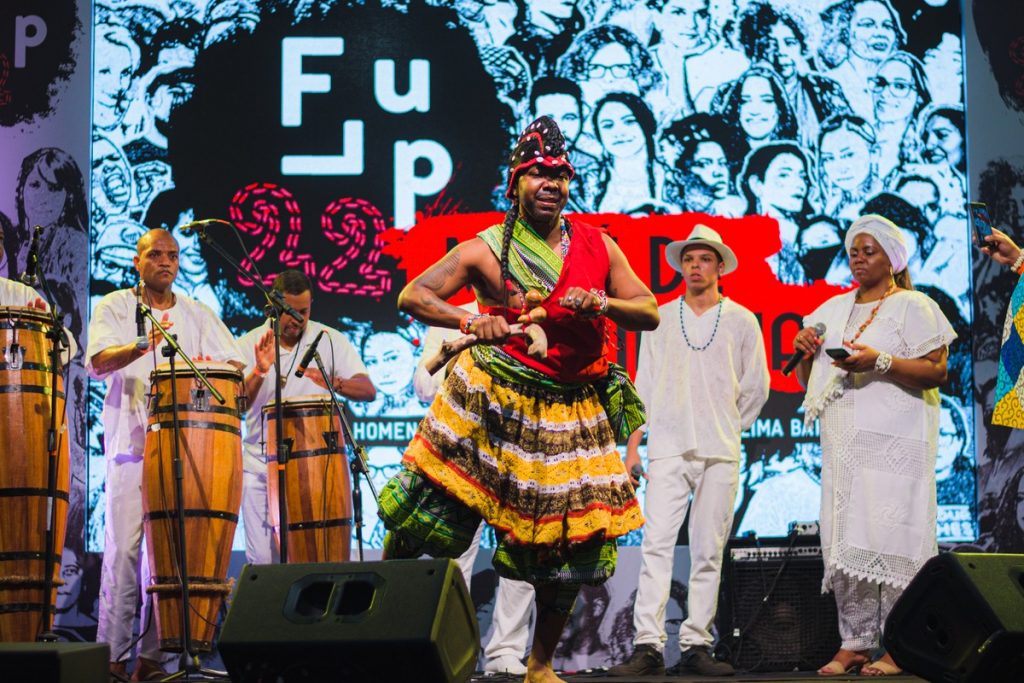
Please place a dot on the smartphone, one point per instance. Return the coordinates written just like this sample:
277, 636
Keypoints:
839, 353
981, 222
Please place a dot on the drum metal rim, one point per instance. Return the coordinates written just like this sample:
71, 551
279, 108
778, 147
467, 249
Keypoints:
27, 389
198, 424
188, 408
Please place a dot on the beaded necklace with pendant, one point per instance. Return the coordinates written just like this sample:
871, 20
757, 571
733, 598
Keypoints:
682, 325
871, 316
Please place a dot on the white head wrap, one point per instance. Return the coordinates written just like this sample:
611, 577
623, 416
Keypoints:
888, 235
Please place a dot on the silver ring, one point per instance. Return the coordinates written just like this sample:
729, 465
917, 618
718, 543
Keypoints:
577, 301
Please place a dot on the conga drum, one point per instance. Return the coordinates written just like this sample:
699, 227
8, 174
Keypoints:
25, 379
316, 480
210, 445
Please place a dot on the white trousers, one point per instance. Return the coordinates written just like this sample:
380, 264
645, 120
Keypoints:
513, 604
119, 575
671, 483
863, 607
260, 546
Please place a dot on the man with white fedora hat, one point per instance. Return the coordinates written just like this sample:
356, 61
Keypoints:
704, 378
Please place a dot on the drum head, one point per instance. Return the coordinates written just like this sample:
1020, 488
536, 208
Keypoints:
13, 314
208, 368
305, 402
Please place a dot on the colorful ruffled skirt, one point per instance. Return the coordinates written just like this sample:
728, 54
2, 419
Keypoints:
538, 464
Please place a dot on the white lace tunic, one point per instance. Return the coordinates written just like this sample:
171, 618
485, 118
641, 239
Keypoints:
879, 441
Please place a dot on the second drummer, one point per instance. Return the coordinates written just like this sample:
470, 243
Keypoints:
349, 379
116, 355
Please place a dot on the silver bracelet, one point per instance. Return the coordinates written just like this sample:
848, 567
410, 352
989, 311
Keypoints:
883, 363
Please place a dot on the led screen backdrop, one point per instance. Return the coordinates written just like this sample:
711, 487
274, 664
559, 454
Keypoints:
359, 141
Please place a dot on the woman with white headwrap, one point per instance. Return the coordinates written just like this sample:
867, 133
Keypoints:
879, 413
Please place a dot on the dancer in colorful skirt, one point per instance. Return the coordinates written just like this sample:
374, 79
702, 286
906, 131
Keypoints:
524, 442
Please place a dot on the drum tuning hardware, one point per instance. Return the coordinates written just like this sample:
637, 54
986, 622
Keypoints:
200, 400
14, 355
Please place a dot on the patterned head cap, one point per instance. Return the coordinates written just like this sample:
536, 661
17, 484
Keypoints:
541, 143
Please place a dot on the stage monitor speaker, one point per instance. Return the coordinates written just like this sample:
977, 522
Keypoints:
772, 615
55, 662
399, 620
961, 619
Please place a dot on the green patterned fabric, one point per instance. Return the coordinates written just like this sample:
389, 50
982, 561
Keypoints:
531, 262
424, 520
621, 401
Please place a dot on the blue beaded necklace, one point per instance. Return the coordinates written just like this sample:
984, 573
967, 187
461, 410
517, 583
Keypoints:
682, 325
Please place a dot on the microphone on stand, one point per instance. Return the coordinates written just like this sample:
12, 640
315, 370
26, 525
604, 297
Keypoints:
29, 276
199, 226
308, 358
142, 340
798, 356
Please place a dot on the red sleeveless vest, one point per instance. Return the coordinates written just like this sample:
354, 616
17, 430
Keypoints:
576, 346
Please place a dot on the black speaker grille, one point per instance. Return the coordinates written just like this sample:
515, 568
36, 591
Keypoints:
796, 628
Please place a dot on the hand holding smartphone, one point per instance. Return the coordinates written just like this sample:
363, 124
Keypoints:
838, 353
981, 222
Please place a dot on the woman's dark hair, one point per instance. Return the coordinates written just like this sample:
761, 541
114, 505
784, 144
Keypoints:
575, 64
690, 132
755, 30
836, 18
61, 173
731, 99
954, 115
644, 118
756, 165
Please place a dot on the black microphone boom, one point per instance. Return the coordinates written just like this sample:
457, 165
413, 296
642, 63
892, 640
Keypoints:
308, 358
29, 276
199, 226
794, 360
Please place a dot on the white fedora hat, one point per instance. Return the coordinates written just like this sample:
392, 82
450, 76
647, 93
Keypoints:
706, 237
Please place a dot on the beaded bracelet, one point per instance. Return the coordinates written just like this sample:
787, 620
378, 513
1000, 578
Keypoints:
467, 322
883, 363
1018, 265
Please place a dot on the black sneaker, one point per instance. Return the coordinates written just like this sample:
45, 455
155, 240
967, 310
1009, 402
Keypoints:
645, 661
698, 660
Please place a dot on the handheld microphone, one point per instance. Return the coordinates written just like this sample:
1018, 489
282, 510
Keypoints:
142, 339
798, 356
308, 358
29, 276
637, 471
198, 226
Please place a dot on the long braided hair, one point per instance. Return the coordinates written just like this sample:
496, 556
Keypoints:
506, 242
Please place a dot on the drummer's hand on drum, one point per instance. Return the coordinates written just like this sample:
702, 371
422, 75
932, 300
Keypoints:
201, 358
38, 303
318, 379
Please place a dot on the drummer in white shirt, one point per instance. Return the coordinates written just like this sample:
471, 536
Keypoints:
349, 379
115, 355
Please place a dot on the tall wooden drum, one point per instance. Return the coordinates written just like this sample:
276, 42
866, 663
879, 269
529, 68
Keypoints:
25, 378
317, 480
211, 454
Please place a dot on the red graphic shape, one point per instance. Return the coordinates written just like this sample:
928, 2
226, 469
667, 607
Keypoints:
754, 239
5, 73
357, 227
261, 210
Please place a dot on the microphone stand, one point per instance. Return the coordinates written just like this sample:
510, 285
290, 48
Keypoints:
58, 341
170, 351
357, 464
276, 305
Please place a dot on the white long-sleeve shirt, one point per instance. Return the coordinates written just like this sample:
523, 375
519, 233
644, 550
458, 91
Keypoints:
700, 402
200, 332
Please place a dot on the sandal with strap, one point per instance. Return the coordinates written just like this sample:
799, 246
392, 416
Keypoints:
880, 668
836, 668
